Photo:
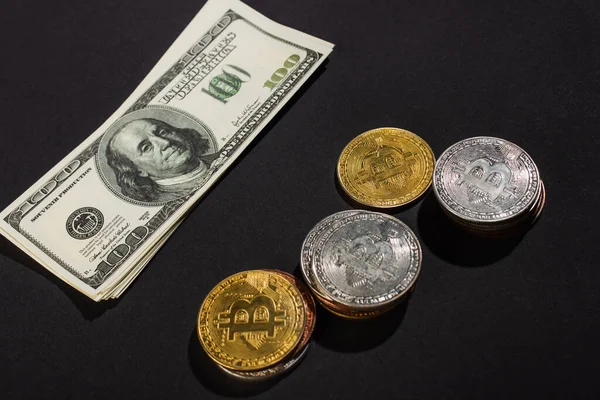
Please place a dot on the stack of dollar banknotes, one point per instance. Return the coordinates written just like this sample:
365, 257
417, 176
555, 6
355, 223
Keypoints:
359, 264
97, 218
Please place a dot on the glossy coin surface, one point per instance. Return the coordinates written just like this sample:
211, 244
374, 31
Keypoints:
310, 308
354, 315
308, 248
251, 320
486, 180
540, 207
271, 372
523, 224
386, 167
367, 260
350, 313
515, 223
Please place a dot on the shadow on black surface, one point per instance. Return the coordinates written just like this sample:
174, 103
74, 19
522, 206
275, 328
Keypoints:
89, 309
354, 336
449, 242
354, 204
209, 375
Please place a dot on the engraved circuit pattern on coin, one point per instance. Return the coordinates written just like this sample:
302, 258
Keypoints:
251, 320
367, 260
308, 248
486, 179
386, 167
310, 308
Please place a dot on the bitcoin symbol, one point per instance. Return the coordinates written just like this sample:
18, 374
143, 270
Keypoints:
256, 315
484, 179
386, 166
367, 259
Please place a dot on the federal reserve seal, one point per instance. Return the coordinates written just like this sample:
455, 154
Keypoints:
85, 223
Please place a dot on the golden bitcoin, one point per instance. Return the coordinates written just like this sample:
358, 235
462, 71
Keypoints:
251, 320
310, 308
386, 167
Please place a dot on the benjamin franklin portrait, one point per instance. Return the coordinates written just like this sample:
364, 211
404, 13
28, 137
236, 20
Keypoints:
157, 161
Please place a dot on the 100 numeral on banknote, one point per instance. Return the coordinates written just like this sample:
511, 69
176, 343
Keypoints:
99, 213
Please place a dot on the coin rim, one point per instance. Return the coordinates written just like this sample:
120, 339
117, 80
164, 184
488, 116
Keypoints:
399, 295
310, 308
307, 250
437, 176
271, 372
202, 320
420, 189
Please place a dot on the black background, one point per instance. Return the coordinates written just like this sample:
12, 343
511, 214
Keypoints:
488, 319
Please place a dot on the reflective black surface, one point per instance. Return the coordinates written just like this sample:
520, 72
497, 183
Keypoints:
517, 318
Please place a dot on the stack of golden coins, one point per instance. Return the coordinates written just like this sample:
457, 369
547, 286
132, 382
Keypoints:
386, 168
257, 324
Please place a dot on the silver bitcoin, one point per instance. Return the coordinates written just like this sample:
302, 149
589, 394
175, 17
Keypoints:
488, 185
308, 247
366, 260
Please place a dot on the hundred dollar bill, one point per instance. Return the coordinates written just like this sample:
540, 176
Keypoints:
97, 218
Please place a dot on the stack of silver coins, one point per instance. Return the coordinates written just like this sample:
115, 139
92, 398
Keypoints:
276, 371
489, 186
360, 264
